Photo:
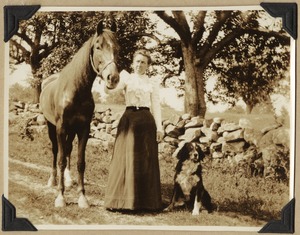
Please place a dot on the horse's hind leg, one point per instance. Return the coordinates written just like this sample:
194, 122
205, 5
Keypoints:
83, 135
62, 162
68, 178
52, 135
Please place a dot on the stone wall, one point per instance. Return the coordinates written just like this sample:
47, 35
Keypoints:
239, 145
26, 119
264, 153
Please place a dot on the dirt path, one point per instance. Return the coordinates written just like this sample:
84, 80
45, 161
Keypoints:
34, 200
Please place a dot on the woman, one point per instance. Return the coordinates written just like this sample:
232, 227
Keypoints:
134, 177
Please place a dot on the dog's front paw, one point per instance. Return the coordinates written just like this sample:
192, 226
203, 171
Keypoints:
168, 209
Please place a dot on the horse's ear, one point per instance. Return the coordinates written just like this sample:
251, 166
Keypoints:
100, 27
113, 27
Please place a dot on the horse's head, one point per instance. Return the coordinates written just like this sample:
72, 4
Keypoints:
104, 55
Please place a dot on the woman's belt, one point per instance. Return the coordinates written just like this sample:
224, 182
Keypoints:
136, 108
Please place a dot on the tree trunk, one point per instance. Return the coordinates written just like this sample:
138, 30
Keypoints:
37, 92
201, 91
194, 101
249, 108
35, 64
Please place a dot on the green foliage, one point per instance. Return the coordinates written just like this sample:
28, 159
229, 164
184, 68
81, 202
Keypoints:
284, 118
73, 31
18, 92
132, 26
249, 65
115, 98
250, 68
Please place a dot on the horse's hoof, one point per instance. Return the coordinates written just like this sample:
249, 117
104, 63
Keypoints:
195, 212
82, 202
60, 201
51, 182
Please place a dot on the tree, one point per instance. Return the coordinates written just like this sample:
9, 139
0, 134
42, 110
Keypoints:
74, 29
212, 31
49, 40
28, 44
251, 69
52, 38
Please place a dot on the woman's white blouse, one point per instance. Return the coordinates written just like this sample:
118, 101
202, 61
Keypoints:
141, 91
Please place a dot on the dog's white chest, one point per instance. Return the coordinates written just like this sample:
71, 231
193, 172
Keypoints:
186, 179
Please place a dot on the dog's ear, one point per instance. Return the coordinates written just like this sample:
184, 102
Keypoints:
183, 152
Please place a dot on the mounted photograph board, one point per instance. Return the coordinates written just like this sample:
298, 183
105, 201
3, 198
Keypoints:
245, 203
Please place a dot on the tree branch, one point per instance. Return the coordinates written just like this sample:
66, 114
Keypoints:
23, 36
47, 51
237, 33
284, 39
181, 19
43, 47
25, 53
199, 27
222, 16
174, 24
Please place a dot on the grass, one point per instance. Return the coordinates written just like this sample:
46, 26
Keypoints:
240, 201
167, 112
259, 121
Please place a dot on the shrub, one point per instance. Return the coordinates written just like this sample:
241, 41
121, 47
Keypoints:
18, 92
115, 98
283, 118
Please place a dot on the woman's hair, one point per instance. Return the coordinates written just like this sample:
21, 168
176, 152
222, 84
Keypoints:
145, 53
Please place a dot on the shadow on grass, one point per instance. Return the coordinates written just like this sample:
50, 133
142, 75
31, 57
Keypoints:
248, 207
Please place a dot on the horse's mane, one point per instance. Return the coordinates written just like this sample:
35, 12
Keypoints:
78, 67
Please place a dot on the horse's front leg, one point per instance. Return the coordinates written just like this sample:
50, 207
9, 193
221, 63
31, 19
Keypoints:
62, 162
83, 136
67, 173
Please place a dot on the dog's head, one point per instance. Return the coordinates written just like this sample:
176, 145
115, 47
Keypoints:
190, 151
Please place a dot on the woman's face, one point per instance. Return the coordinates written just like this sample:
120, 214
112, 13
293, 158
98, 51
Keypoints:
140, 64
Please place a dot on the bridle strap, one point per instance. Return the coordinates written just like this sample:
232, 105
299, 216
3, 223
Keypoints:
99, 73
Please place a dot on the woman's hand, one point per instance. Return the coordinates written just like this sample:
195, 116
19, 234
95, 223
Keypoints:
159, 136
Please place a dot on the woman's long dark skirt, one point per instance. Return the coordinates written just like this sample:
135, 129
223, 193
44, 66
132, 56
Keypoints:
134, 176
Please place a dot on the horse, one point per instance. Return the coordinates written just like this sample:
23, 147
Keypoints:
67, 103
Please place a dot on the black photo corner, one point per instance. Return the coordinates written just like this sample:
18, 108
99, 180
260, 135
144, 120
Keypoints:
9, 220
12, 16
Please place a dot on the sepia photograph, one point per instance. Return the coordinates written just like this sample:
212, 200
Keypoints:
156, 118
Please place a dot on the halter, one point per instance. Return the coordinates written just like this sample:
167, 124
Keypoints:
99, 73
